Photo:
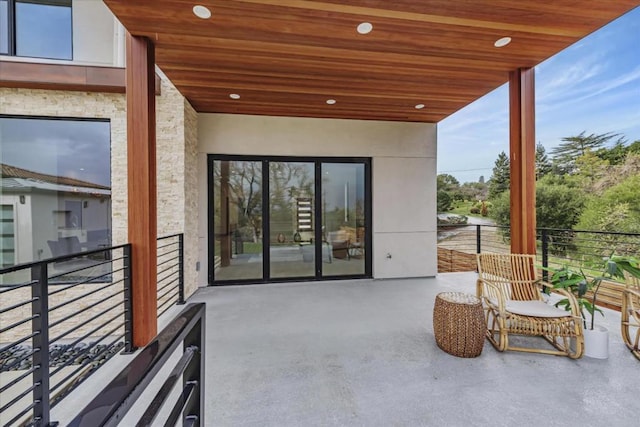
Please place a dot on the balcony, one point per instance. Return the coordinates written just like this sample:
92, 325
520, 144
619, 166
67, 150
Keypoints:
341, 353
363, 353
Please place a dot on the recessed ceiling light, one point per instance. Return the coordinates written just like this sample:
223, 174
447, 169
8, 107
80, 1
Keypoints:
502, 42
365, 27
234, 96
419, 106
331, 101
201, 12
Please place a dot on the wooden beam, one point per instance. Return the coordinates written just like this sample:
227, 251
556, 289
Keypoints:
141, 165
522, 158
83, 78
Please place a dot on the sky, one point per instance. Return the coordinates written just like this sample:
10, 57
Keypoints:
78, 149
592, 86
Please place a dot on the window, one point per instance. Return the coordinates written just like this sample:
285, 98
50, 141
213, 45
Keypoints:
55, 189
36, 28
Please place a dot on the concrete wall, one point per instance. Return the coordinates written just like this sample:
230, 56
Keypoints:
404, 176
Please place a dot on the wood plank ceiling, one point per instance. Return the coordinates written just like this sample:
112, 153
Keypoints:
288, 57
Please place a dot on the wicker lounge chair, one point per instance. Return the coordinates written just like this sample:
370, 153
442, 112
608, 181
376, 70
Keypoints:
631, 315
511, 292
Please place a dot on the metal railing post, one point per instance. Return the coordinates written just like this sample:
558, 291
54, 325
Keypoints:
545, 254
128, 302
181, 269
478, 239
194, 374
40, 330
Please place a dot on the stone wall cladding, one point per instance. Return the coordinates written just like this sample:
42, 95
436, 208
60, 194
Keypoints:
51, 103
191, 199
176, 168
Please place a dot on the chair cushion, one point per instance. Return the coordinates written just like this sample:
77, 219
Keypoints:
535, 309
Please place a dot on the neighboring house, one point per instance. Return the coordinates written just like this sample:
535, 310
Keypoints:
83, 77
40, 210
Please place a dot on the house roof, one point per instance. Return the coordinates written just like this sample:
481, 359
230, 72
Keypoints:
288, 57
13, 176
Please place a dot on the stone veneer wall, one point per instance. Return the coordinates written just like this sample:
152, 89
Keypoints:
176, 168
177, 141
51, 103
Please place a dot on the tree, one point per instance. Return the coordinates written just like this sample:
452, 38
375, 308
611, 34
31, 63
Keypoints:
557, 205
447, 182
616, 154
474, 191
634, 147
589, 170
572, 147
444, 201
617, 209
543, 164
481, 179
500, 179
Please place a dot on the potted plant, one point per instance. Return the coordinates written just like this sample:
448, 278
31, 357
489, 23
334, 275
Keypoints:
577, 282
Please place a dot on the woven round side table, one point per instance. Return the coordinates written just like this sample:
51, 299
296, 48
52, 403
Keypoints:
458, 324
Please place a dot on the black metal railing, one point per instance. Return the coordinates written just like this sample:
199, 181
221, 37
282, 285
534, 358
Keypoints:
114, 402
555, 247
62, 318
170, 272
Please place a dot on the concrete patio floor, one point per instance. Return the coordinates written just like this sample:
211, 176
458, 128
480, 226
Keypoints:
362, 353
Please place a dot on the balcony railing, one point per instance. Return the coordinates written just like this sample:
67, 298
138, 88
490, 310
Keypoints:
170, 272
457, 246
112, 404
62, 318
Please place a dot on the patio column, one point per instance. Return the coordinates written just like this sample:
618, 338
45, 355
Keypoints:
141, 165
522, 148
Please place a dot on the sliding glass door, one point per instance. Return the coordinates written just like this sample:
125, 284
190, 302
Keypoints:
237, 220
275, 219
344, 218
291, 219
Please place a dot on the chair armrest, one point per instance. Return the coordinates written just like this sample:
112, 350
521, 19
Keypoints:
573, 302
494, 292
628, 300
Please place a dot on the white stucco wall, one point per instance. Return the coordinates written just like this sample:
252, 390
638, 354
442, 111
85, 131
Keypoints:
403, 173
96, 36
93, 32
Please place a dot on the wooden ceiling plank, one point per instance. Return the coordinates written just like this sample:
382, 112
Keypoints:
417, 17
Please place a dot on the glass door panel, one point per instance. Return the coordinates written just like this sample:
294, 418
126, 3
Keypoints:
343, 218
237, 220
291, 219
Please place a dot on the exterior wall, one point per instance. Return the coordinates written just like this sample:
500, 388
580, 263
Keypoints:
93, 32
177, 136
97, 37
48, 103
403, 158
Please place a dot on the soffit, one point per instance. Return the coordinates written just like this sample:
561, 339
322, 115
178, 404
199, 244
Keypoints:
287, 57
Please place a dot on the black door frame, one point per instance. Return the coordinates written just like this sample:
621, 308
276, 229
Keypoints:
265, 160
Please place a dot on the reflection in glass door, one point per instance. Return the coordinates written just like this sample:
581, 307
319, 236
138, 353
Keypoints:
237, 212
343, 218
291, 219
276, 218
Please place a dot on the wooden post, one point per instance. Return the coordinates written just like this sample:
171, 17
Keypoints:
141, 165
522, 159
